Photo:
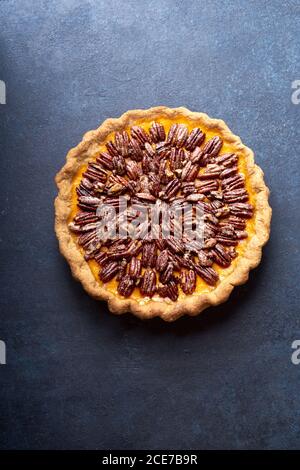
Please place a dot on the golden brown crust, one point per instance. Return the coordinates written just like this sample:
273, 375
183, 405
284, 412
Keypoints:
191, 305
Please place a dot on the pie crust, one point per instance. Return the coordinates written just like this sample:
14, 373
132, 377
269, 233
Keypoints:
238, 272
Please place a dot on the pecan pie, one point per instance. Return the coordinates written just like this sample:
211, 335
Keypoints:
186, 163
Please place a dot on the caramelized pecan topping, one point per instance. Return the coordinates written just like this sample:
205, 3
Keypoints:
176, 166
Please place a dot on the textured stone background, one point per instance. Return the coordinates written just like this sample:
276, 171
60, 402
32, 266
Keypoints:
77, 377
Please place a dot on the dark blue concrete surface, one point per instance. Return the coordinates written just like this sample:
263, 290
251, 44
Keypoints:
76, 376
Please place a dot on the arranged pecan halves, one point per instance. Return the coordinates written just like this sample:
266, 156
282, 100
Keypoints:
182, 167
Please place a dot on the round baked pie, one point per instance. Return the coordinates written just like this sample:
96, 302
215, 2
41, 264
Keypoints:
173, 159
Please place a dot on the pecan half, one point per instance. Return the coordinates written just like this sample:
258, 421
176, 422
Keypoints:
162, 149
185, 261
85, 239
172, 134
82, 227
149, 164
136, 150
236, 222
119, 165
242, 210
189, 171
148, 284
170, 290
162, 261
133, 170
226, 230
229, 172
234, 182
212, 171
122, 269
175, 260
227, 159
220, 256
171, 189
149, 254
213, 146
196, 155
160, 243
195, 139
96, 172
236, 195
89, 201
164, 177
204, 259
207, 186
139, 134
91, 250
241, 234
181, 135
149, 149
157, 132
105, 159
112, 150
126, 286
188, 281
227, 241
175, 245
194, 197
101, 258
83, 218
209, 275
146, 197
144, 167
81, 190
177, 157
154, 184
109, 270
210, 243
166, 274
188, 188
135, 267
